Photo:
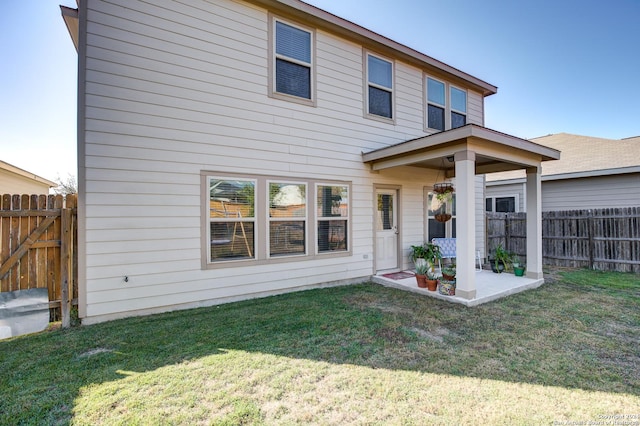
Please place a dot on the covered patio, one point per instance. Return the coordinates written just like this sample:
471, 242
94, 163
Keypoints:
463, 153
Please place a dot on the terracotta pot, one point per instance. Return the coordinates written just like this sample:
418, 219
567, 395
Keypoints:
422, 281
432, 285
448, 277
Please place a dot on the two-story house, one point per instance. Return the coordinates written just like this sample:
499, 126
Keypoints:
233, 149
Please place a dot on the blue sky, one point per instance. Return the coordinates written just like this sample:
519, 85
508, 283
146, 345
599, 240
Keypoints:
560, 66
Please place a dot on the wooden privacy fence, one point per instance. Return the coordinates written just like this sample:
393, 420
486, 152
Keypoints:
602, 239
38, 246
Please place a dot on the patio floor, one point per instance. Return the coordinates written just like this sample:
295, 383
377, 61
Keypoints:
489, 286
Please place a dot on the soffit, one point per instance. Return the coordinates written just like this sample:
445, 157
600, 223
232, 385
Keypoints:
495, 151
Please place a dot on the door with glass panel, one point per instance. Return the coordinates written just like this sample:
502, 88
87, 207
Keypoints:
386, 229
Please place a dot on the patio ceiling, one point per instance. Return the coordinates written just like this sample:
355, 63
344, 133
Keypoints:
494, 151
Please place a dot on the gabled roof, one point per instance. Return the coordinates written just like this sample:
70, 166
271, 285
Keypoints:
70, 17
583, 156
20, 172
494, 151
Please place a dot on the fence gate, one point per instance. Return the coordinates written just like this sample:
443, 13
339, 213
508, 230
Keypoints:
38, 242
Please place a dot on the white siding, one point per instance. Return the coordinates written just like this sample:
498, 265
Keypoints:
174, 89
596, 192
510, 190
592, 193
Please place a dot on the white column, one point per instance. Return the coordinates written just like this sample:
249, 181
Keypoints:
534, 223
465, 224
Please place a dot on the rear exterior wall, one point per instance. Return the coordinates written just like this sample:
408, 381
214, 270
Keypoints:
169, 90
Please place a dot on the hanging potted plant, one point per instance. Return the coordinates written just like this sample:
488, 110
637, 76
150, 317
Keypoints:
444, 194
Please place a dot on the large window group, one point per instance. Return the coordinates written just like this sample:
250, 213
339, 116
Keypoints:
259, 218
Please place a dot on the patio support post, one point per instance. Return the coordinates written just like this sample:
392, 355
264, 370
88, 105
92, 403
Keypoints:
534, 223
465, 164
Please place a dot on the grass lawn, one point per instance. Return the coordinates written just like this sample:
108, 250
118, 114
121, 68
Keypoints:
365, 354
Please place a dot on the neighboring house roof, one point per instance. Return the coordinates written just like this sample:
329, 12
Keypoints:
321, 19
583, 156
11, 169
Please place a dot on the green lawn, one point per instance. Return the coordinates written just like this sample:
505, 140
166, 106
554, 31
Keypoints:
365, 354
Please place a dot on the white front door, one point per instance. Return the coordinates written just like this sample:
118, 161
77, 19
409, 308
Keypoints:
386, 229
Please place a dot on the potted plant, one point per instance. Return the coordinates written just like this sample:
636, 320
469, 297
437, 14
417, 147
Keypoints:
418, 255
427, 253
518, 268
421, 275
501, 259
432, 254
449, 272
432, 281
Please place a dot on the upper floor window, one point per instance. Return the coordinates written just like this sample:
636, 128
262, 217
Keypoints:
445, 110
293, 61
458, 107
379, 87
436, 104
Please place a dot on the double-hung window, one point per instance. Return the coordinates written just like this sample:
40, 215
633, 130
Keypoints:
446, 105
232, 207
287, 218
436, 104
332, 217
293, 61
458, 107
379, 87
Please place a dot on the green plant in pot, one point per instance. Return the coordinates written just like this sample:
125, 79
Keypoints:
449, 272
501, 259
418, 255
421, 274
432, 254
432, 281
518, 267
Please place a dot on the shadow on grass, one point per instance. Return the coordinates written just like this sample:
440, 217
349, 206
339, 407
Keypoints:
563, 334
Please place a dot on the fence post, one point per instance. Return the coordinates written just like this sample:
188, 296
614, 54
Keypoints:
590, 232
507, 232
65, 258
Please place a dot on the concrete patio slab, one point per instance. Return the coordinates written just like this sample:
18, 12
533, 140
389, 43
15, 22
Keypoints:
489, 286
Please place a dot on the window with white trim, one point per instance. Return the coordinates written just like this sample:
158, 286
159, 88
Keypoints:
293, 60
502, 204
379, 87
259, 219
446, 105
